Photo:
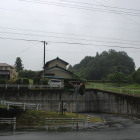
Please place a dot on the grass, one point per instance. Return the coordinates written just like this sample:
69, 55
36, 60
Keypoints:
131, 89
37, 118
2, 106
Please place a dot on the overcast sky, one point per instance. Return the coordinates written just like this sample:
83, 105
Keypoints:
73, 29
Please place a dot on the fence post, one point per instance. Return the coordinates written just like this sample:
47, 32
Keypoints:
133, 92
101, 87
37, 107
14, 125
8, 106
24, 106
120, 90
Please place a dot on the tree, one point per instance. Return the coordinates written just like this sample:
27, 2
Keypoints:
98, 67
70, 68
18, 64
136, 76
28, 74
116, 77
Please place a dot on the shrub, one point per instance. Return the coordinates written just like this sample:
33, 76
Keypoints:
44, 81
136, 76
37, 81
2, 81
25, 81
18, 81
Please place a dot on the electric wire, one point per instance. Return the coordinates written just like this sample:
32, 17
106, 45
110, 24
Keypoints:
82, 39
19, 39
91, 4
71, 43
83, 7
84, 44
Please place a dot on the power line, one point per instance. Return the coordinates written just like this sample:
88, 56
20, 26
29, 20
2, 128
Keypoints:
8, 38
91, 4
42, 1
77, 43
83, 7
83, 39
71, 43
108, 7
77, 35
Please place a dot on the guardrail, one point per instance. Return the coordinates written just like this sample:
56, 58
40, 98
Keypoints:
19, 104
9, 121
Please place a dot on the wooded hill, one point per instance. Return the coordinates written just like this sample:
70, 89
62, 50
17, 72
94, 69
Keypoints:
100, 66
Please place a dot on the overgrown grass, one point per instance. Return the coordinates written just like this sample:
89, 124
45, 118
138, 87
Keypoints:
37, 118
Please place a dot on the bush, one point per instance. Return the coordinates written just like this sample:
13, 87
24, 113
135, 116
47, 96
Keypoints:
37, 81
136, 76
18, 81
25, 81
2, 81
44, 81
12, 81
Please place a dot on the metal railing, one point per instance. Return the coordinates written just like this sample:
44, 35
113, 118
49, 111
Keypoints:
73, 122
30, 86
64, 121
9, 121
120, 90
19, 104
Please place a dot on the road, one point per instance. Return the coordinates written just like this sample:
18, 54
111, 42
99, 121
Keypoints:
115, 128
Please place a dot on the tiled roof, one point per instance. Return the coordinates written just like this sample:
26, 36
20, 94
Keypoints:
56, 59
5, 65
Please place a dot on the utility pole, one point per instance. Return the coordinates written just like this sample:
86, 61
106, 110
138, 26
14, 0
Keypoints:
44, 58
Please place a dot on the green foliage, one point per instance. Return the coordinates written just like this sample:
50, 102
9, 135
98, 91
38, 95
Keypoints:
2, 81
25, 81
117, 77
98, 67
12, 81
44, 81
18, 64
70, 68
136, 76
28, 74
18, 81
129, 79
68, 86
37, 81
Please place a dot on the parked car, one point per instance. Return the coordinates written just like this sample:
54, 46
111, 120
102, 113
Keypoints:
55, 83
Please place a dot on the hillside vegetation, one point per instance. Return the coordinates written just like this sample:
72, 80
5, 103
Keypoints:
100, 66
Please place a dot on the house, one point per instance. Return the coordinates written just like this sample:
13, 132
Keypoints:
57, 68
7, 71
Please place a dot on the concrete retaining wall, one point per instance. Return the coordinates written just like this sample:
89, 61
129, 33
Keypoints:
92, 101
